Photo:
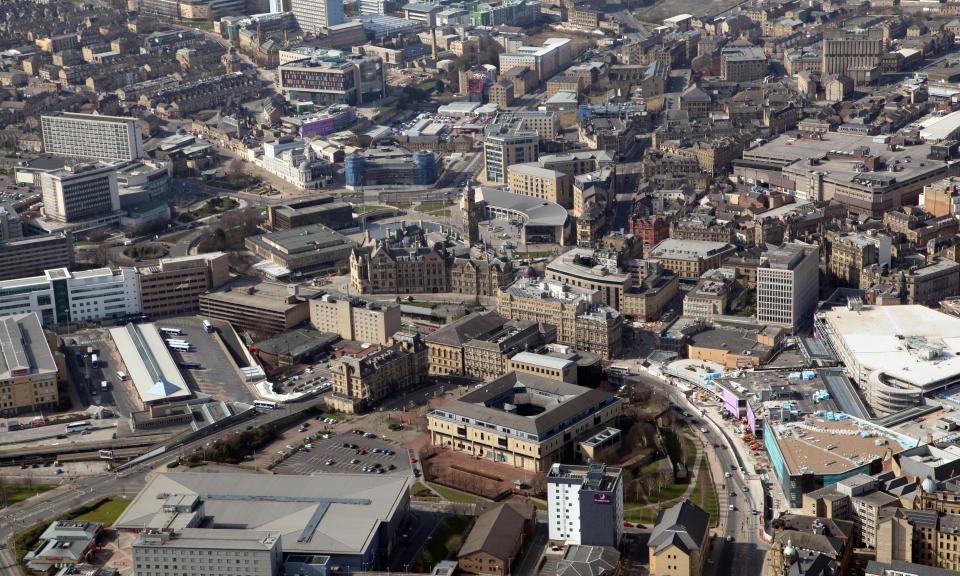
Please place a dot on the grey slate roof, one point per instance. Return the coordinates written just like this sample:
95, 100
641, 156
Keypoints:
684, 525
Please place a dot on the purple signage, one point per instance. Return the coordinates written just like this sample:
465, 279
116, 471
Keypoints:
731, 402
751, 419
602, 498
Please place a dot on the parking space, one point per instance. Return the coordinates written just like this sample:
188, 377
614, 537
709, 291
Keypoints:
90, 377
207, 367
348, 453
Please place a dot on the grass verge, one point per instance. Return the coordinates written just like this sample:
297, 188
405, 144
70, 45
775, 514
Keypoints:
453, 495
10, 494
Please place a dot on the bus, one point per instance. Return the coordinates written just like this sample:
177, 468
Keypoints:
180, 347
264, 404
618, 370
77, 427
94, 360
171, 331
207, 326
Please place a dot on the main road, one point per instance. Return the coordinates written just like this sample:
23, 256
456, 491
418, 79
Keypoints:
737, 547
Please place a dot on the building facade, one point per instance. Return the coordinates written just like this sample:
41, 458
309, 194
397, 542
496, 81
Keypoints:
92, 137
173, 286
359, 384
788, 285
29, 382
585, 504
79, 193
354, 319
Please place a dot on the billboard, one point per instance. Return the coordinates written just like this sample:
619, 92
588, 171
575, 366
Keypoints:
751, 419
731, 402
602, 498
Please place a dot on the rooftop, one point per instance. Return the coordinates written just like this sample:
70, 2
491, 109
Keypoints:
23, 347
534, 211
543, 360
828, 443
331, 514
674, 249
149, 363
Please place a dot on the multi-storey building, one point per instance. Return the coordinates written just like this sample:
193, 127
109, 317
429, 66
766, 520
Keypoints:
585, 504
324, 210
578, 314
445, 345
486, 357
480, 277
711, 295
522, 420
294, 161
93, 137
850, 253
360, 383
554, 56
393, 268
531, 180
32, 255
852, 53
743, 64
354, 319
546, 124
702, 227
788, 285
173, 286
189, 550
305, 250
80, 193
592, 270
331, 76
927, 282
680, 541
317, 15
690, 258
264, 309
61, 296
28, 371
503, 150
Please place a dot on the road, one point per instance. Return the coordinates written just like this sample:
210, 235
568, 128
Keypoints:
745, 552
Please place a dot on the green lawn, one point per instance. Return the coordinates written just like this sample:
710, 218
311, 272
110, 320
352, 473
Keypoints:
453, 495
433, 206
106, 513
420, 490
364, 208
445, 541
709, 502
538, 503
10, 494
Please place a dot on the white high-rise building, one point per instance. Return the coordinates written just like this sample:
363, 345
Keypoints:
788, 284
80, 193
91, 136
60, 296
315, 15
585, 504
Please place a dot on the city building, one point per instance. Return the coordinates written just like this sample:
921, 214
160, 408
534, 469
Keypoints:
593, 270
821, 449
712, 295
811, 545
544, 365
652, 291
80, 193
324, 210
851, 252
330, 76
896, 354
373, 167
303, 250
480, 277
361, 382
173, 286
28, 371
585, 504
92, 137
531, 180
853, 53
494, 541
503, 150
64, 543
294, 161
522, 420
900, 568
689, 259
404, 262
734, 348
743, 64
153, 371
187, 550
578, 314
315, 16
788, 286
445, 345
487, 356
60, 296
310, 517
553, 57
31, 255
354, 319
263, 308
540, 221
680, 541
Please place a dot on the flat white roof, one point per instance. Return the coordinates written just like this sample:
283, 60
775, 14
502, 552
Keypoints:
542, 360
149, 363
894, 339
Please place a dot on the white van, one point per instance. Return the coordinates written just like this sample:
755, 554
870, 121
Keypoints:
121, 376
